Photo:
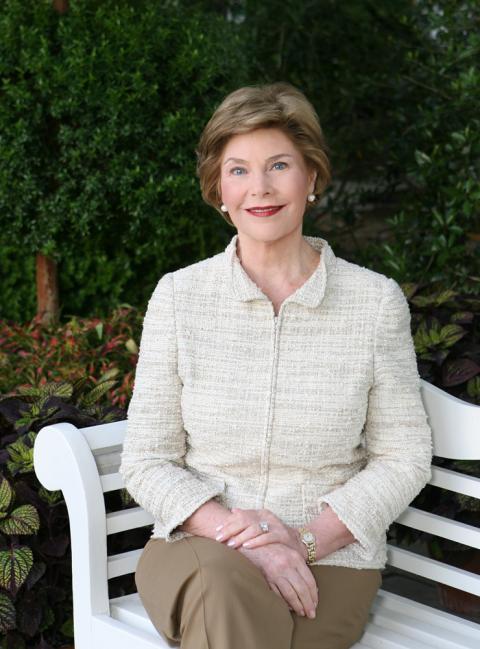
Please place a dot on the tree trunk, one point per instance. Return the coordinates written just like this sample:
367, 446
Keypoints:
46, 268
47, 290
61, 6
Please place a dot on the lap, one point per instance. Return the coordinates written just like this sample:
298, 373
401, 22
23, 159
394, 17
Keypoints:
171, 577
345, 596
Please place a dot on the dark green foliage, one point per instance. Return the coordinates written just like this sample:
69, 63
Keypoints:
438, 228
100, 112
35, 559
397, 88
446, 330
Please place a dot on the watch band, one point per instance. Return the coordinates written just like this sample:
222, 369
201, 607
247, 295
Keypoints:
307, 537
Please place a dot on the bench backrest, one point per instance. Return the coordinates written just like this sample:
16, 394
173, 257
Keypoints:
84, 463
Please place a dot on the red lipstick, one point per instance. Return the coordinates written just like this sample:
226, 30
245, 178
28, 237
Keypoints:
268, 210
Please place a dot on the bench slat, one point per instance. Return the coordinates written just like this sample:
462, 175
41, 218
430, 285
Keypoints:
440, 526
123, 563
378, 637
111, 482
105, 435
433, 569
110, 632
422, 631
128, 519
423, 612
468, 485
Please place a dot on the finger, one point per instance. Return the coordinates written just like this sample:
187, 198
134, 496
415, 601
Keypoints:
229, 530
290, 595
307, 574
236, 522
275, 589
305, 592
300, 585
262, 538
249, 535
276, 535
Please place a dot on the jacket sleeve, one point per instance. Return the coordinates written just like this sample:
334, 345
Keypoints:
152, 460
398, 438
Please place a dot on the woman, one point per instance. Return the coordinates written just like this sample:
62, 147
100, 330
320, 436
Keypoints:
276, 427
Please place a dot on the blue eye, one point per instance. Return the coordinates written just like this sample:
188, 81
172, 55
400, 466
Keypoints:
233, 170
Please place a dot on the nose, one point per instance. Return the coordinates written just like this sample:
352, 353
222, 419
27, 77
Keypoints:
260, 183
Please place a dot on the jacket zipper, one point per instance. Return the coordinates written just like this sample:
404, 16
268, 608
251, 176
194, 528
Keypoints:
268, 436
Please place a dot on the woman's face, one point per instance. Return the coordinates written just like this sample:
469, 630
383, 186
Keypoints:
263, 168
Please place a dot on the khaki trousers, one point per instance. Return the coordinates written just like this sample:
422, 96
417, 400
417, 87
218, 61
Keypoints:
202, 594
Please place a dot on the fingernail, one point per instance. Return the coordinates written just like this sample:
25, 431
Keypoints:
246, 544
302, 612
311, 614
232, 542
218, 528
219, 537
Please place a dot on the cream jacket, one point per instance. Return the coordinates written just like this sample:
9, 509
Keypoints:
319, 404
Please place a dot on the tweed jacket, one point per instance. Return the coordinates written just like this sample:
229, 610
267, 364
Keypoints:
320, 404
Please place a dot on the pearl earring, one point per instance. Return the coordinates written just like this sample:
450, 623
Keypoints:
224, 208
311, 197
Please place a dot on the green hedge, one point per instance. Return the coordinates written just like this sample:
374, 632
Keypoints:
100, 112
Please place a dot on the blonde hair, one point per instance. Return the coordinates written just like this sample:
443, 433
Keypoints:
277, 105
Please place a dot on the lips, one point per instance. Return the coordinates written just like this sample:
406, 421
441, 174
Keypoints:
268, 210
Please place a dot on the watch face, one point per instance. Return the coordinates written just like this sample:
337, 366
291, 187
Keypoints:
309, 537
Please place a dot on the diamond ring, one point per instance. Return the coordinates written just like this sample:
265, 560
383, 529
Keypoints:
264, 526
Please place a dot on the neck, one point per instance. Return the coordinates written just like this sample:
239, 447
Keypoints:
287, 261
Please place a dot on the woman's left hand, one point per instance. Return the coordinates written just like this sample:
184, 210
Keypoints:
242, 528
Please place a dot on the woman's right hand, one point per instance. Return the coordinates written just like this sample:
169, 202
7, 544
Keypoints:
287, 575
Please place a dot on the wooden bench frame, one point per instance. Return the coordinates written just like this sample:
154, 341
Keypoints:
84, 463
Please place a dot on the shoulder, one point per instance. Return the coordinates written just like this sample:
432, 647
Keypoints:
192, 280
365, 282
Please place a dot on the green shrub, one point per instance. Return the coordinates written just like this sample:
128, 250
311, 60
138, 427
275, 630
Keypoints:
36, 608
33, 354
397, 88
100, 112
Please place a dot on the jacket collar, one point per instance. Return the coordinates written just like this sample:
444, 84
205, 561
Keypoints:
311, 292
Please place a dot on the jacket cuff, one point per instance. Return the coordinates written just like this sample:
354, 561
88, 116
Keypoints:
363, 528
182, 501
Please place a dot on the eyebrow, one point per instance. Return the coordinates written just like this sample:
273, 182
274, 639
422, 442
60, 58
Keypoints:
272, 157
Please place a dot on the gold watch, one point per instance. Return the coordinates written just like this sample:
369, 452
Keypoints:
308, 538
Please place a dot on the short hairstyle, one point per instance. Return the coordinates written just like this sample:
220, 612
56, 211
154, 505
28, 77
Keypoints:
277, 105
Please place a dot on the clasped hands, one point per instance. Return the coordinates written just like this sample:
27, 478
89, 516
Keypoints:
279, 553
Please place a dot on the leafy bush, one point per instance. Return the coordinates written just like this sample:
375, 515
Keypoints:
446, 333
100, 112
397, 90
33, 354
437, 231
35, 579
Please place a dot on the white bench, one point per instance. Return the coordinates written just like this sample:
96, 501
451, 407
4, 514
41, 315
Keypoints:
83, 463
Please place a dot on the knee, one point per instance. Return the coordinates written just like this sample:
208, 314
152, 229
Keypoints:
240, 581
227, 577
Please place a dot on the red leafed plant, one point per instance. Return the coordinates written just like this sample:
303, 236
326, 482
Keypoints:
34, 354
